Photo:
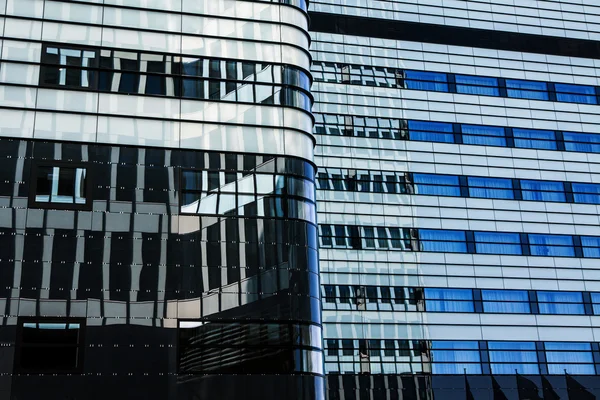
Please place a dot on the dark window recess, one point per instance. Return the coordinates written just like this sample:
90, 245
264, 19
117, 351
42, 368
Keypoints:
60, 185
49, 346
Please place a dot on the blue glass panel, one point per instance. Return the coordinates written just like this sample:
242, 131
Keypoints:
456, 369
575, 93
483, 135
534, 139
505, 301
596, 303
511, 369
560, 303
440, 185
430, 131
455, 345
477, 85
591, 246
567, 346
449, 300
543, 191
527, 89
456, 358
506, 357
497, 243
586, 193
443, 241
582, 142
490, 188
551, 245
575, 358
420, 80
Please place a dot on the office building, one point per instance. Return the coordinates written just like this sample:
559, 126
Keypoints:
458, 192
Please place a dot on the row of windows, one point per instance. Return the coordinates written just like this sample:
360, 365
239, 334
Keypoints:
455, 241
131, 72
457, 186
445, 132
454, 83
392, 356
385, 298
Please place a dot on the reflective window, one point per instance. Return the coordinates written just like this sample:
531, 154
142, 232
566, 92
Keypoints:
443, 241
506, 301
591, 246
575, 93
449, 300
508, 358
534, 139
572, 358
582, 142
478, 85
439, 185
586, 193
455, 357
483, 135
595, 302
551, 245
543, 191
560, 303
490, 188
420, 80
431, 131
61, 186
497, 243
527, 89
70, 67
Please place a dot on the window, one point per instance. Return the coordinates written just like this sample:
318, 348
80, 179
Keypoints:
455, 358
543, 191
527, 89
497, 243
490, 188
431, 131
582, 142
347, 347
575, 93
449, 300
560, 303
586, 193
419, 80
483, 135
551, 245
505, 301
591, 246
595, 302
61, 185
333, 347
508, 357
534, 139
443, 241
69, 67
477, 85
439, 185
329, 295
49, 346
572, 358
326, 235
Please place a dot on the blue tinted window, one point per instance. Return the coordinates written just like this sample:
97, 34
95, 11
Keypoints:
575, 93
527, 89
440, 185
455, 358
449, 300
574, 358
534, 139
431, 131
586, 193
591, 246
483, 135
560, 303
419, 80
596, 302
582, 142
551, 245
506, 357
477, 85
543, 191
497, 243
490, 188
506, 301
443, 241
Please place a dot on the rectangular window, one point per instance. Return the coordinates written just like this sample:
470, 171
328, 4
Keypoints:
560, 303
595, 302
551, 245
588, 193
582, 142
497, 243
508, 357
455, 358
543, 191
575, 93
437, 185
591, 246
419, 80
60, 185
526, 89
534, 139
483, 135
431, 131
49, 346
490, 188
326, 235
443, 241
478, 85
449, 300
505, 301
329, 293
69, 66
333, 347
570, 357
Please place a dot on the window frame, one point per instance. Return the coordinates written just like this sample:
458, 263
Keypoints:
36, 165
